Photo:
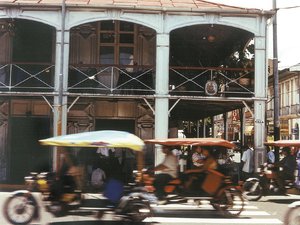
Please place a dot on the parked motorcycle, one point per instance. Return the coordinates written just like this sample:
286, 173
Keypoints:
23, 205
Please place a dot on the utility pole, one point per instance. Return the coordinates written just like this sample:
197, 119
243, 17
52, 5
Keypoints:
275, 82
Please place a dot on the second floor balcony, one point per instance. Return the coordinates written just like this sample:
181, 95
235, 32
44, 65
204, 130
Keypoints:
127, 80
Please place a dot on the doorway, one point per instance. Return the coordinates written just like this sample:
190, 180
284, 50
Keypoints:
26, 154
112, 124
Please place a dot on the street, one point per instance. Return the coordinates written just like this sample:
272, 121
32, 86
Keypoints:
269, 210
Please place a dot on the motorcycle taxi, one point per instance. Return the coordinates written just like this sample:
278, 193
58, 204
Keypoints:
217, 187
266, 181
23, 206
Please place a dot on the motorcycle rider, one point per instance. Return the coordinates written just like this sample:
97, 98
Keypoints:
198, 174
168, 171
288, 165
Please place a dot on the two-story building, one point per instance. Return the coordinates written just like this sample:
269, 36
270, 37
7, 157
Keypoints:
289, 98
141, 66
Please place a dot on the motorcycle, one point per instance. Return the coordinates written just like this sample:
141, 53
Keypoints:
292, 215
265, 184
23, 206
217, 188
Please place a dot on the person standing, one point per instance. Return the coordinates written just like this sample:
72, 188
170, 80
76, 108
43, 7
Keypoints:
248, 164
270, 156
168, 171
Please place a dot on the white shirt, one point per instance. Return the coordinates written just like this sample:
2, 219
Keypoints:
171, 162
98, 177
247, 158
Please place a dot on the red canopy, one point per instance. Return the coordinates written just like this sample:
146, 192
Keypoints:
284, 143
218, 142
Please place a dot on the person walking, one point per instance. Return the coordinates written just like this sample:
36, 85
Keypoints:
248, 164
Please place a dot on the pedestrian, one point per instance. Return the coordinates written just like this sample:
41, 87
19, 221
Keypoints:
247, 162
270, 156
98, 178
298, 167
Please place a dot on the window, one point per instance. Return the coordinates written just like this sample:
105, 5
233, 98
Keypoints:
116, 42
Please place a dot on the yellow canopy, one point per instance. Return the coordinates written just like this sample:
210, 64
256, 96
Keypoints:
97, 139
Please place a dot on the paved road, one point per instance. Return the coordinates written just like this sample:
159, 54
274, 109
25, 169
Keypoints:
269, 210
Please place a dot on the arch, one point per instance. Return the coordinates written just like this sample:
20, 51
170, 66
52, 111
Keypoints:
77, 18
46, 17
245, 23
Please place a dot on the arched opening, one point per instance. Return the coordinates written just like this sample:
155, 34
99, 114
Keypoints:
112, 56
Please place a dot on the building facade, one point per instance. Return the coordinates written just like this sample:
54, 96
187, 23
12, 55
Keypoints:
143, 66
288, 104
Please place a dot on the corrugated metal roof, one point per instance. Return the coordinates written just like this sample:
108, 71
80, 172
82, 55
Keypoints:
163, 4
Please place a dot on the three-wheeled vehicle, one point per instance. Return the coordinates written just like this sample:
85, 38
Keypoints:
23, 206
217, 187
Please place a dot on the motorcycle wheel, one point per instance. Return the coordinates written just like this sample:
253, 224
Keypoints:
20, 209
230, 202
138, 211
292, 216
252, 190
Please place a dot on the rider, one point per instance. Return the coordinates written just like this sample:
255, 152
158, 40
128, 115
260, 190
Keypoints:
288, 164
197, 157
208, 163
168, 171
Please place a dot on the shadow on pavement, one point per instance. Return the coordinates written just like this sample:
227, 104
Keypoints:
101, 222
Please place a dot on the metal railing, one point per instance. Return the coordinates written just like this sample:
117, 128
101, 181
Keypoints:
229, 82
126, 80
26, 77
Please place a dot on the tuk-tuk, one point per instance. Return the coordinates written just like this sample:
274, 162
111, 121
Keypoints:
22, 206
217, 187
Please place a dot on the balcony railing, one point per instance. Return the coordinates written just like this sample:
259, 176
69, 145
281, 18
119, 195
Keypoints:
228, 82
284, 111
295, 109
111, 80
26, 77
126, 80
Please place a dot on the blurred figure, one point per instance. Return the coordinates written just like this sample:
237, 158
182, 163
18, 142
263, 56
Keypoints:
198, 174
247, 161
270, 156
298, 167
168, 171
288, 164
197, 157
98, 178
